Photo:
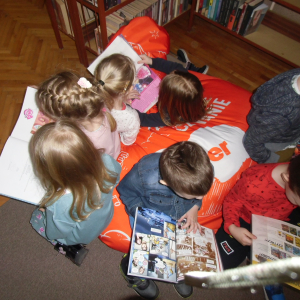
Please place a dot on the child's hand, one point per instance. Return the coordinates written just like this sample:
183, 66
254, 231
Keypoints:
132, 94
242, 235
191, 220
145, 59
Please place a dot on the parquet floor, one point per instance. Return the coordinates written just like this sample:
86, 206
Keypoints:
29, 54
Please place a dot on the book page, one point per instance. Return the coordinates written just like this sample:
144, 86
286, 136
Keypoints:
196, 251
147, 84
27, 117
16, 174
276, 239
121, 46
152, 253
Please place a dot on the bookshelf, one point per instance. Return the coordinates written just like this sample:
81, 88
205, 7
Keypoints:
82, 30
271, 41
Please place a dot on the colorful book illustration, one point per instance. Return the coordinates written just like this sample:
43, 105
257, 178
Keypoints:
162, 250
17, 177
276, 239
146, 82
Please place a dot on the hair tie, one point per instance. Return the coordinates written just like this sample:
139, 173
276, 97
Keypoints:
125, 87
101, 82
84, 83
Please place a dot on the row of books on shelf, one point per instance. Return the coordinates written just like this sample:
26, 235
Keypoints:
240, 16
161, 11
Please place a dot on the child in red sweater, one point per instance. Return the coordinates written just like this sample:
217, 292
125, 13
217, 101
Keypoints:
271, 190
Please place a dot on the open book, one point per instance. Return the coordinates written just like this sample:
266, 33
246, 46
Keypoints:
146, 82
276, 239
162, 250
16, 174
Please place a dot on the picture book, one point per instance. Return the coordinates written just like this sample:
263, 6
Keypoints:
146, 82
161, 249
276, 239
17, 177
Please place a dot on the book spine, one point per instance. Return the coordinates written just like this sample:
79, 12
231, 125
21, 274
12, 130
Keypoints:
218, 11
203, 7
247, 17
237, 17
233, 15
228, 12
223, 11
210, 8
241, 17
213, 9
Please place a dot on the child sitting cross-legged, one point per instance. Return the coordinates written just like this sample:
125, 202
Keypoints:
271, 190
173, 182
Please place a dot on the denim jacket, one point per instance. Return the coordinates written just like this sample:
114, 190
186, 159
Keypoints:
141, 188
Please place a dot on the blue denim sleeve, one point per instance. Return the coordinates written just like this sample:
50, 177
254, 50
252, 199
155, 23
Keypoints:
131, 191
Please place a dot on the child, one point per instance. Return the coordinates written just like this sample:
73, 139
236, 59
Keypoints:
173, 182
271, 190
274, 120
115, 75
180, 96
79, 182
65, 95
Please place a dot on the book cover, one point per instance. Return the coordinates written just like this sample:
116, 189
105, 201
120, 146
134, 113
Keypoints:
251, 6
276, 239
17, 177
162, 250
256, 18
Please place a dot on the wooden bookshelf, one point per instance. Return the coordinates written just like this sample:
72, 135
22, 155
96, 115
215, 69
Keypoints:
83, 35
268, 39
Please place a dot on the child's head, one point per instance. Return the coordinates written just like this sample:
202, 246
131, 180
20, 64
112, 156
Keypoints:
187, 170
115, 74
181, 98
292, 178
63, 96
64, 158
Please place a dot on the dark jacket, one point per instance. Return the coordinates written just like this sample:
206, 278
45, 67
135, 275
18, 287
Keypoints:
141, 188
274, 117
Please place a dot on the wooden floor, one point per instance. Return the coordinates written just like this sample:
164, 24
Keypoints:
29, 54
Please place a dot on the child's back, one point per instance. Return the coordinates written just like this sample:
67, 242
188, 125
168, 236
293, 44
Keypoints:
65, 95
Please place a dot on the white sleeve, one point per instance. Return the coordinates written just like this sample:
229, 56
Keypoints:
128, 124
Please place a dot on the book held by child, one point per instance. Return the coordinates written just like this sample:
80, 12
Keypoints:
162, 250
276, 239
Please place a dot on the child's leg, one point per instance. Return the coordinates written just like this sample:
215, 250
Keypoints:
37, 222
232, 252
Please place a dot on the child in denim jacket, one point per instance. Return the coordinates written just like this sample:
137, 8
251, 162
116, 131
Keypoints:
173, 182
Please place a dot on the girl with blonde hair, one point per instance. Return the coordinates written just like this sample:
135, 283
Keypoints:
116, 74
79, 182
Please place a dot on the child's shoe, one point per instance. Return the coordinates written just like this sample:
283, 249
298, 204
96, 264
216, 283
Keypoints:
145, 288
76, 253
274, 292
184, 290
182, 56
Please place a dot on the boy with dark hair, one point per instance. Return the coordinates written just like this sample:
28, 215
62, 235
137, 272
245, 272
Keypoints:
173, 182
271, 190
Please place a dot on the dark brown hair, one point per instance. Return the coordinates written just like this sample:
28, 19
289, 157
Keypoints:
181, 98
186, 168
294, 175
